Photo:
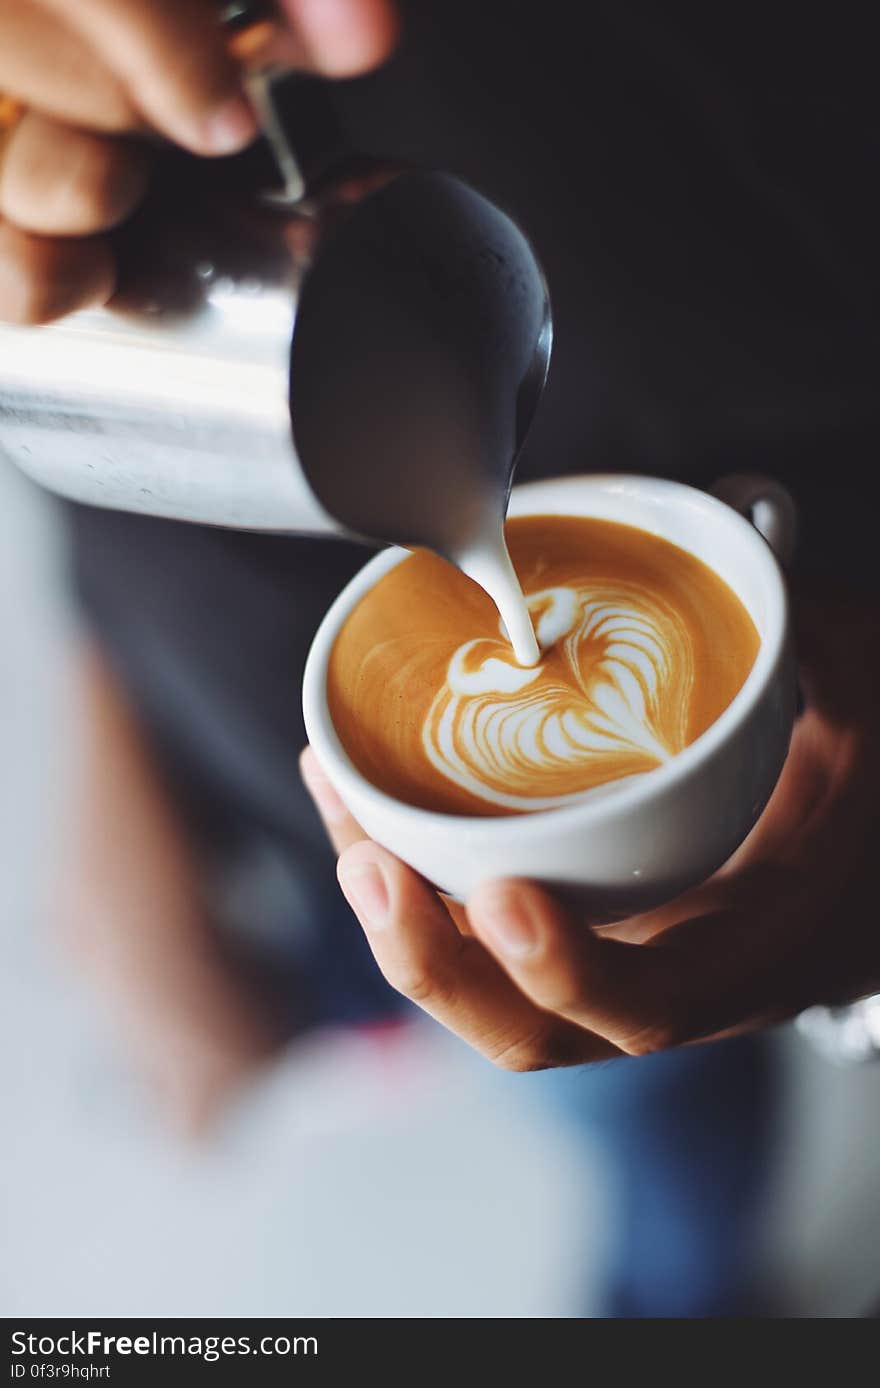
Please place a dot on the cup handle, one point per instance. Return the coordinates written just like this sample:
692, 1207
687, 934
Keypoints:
767, 504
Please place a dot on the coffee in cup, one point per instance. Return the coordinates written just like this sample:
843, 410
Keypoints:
643, 647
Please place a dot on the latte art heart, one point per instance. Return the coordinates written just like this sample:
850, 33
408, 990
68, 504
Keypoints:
642, 648
613, 700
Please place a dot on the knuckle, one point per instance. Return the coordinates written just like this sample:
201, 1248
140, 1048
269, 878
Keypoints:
414, 984
521, 1059
565, 1000
84, 198
662, 1035
60, 181
561, 992
543, 1049
72, 207
663, 1021
417, 980
109, 186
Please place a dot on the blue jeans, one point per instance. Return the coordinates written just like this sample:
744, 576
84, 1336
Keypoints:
685, 1137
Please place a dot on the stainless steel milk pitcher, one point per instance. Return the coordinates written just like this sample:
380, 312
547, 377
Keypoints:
425, 340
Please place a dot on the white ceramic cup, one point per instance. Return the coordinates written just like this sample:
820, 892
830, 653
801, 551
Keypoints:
638, 842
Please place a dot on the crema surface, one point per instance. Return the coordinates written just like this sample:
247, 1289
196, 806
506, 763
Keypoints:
642, 648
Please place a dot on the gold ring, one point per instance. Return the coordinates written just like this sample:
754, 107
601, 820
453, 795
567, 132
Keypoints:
11, 112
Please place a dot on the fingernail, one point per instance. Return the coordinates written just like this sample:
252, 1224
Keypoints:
365, 889
341, 36
510, 923
330, 805
228, 128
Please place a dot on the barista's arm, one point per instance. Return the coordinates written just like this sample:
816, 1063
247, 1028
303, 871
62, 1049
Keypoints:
93, 75
790, 921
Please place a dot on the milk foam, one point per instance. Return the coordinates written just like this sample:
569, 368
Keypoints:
487, 562
522, 738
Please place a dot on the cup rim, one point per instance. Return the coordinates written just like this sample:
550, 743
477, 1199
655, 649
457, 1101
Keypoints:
534, 498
